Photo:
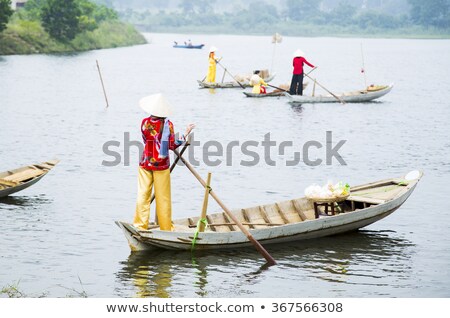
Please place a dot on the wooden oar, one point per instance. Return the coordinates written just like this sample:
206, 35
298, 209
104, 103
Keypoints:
339, 99
311, 71
231, 75
202, 225
281, 89
257, 245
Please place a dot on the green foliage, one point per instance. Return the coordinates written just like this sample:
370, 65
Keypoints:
299, 17
5, 13
108, 34
48, 26
61, 19
343, 14
431, 12
302, 10
197, 6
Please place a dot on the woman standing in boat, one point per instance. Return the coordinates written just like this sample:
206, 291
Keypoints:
211, 76
158, 137
297, 77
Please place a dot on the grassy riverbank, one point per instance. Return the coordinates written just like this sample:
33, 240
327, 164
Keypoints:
29, 37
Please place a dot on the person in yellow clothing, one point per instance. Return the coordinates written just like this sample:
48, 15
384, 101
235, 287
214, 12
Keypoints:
259, 86
211, 76
158, 136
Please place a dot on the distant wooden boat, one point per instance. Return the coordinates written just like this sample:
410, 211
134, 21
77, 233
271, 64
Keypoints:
233, 84
360, 96
270, 94
187, 46
285, 221
12, 181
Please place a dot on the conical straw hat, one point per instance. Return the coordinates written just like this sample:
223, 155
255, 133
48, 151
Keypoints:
299, 53
212, 49
156, 105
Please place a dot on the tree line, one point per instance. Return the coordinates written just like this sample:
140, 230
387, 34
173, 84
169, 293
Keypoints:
63, 20
256, 15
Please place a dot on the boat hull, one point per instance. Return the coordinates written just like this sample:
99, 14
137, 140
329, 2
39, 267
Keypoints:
305, 230
253, 95
8, 190
189, 46
351, 97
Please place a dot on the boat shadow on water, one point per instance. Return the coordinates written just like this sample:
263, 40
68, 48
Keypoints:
166, 274
14, 202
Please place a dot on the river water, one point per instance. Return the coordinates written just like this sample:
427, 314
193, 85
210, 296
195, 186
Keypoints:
58, 238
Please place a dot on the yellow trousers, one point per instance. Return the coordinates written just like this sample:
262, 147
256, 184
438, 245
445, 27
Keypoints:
160, 180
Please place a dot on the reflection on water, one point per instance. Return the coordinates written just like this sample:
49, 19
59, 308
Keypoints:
17, 201
297, 109
202, 281
364, 257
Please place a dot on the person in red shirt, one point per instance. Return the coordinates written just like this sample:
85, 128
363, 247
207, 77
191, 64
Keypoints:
297, 77
158, 137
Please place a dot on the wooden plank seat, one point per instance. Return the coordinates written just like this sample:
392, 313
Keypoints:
8, 183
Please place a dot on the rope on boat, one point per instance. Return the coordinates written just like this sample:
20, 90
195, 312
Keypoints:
204, 221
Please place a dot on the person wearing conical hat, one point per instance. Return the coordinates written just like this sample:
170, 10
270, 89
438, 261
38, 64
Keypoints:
211, 76
297, 76
258, 84
158, 137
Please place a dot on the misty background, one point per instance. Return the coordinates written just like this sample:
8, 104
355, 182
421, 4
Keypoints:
409, 18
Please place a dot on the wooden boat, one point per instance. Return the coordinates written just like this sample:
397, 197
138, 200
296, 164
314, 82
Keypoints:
12, 181
233, 84
179, 46
285, 221
360, 96
270, 94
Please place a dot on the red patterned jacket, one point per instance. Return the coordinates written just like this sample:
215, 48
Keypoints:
298, 64
151, 129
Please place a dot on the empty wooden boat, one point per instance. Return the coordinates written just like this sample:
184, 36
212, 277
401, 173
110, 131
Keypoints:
12, 181
360, 96
286, 221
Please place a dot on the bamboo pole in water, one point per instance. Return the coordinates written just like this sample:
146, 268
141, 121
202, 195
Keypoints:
103, 86
202, 225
